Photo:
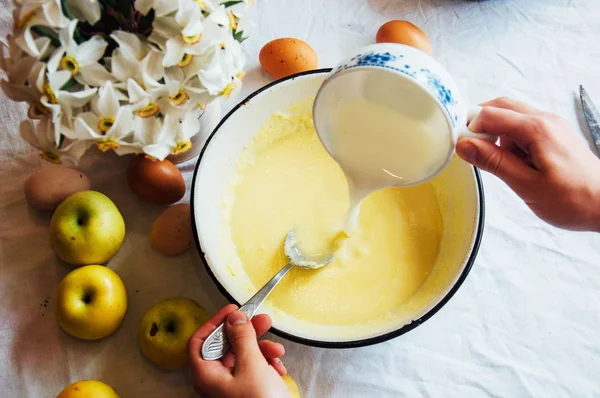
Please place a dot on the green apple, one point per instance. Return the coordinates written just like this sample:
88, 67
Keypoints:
87, 228
166, 328
91, 302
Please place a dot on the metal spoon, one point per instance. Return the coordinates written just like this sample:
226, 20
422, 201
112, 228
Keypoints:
216, 344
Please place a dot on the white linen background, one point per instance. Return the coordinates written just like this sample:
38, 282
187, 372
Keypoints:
524, 324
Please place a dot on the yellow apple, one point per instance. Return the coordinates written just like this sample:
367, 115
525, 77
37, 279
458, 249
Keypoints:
292, 386
87, 228
91, 302
166, 328
88, 389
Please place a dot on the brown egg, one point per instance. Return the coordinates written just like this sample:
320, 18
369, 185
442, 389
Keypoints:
171, 232
286, 56
403, 32
47, 187
155, 181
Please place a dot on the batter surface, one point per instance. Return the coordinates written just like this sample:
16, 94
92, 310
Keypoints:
288, 181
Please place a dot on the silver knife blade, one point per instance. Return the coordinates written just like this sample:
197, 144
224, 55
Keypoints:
592, 116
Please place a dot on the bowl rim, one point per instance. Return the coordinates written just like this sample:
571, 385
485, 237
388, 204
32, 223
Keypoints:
343, 344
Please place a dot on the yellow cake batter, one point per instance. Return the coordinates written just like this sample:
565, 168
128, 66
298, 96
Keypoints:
288, 181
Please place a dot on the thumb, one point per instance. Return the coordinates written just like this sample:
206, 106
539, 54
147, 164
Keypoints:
243, 340
497, 161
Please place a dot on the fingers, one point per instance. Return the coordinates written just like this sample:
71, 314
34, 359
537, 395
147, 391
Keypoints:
514, 105
521, 128
195, 342
277, 365
262, 323
270, 349
242, 337
498, 161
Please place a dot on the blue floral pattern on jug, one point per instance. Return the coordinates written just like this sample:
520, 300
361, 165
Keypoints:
423, 75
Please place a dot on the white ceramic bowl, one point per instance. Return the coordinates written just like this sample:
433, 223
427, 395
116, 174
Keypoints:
460, 197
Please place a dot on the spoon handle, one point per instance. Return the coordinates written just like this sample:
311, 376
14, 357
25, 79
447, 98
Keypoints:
216, 344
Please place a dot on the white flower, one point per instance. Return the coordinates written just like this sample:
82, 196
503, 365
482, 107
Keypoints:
31, 12
46, 137
81, 60
153, 139
61, 102
184, 130
223, 76
24, 39
146, 103
134, 60
108, 124
88, 10
17, 90
185, 36
171, 137
161, 7
184, 93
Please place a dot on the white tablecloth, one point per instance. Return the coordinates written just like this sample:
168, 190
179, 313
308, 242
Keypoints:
524, 324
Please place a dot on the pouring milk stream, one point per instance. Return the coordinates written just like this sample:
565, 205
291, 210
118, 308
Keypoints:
390, 115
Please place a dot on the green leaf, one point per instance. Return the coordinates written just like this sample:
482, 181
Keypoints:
47, 32
231, 3
239, 36
70, 83
66, 9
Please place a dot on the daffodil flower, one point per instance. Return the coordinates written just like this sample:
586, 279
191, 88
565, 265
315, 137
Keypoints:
80, 60
23, 37
17, 67
223, 76
184, 93
185, 35
109, 124
161, 7
51, 10
183, 131
154, 137
134, 60
46, 137
61, 102
88, 10
146, 103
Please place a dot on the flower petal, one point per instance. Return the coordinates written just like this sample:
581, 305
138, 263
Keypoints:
123, 124
54, 60
86, 127
108, 103
53, 13
190, 126
166, 26
58, 79
143, 6
158, 151
130, 44
164, 7
152, 65
76, 99
127, 149
174, 53
123, 67
136, 93
27, 131
89, 52
65, 36
71, 152
88, 10
93, 75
